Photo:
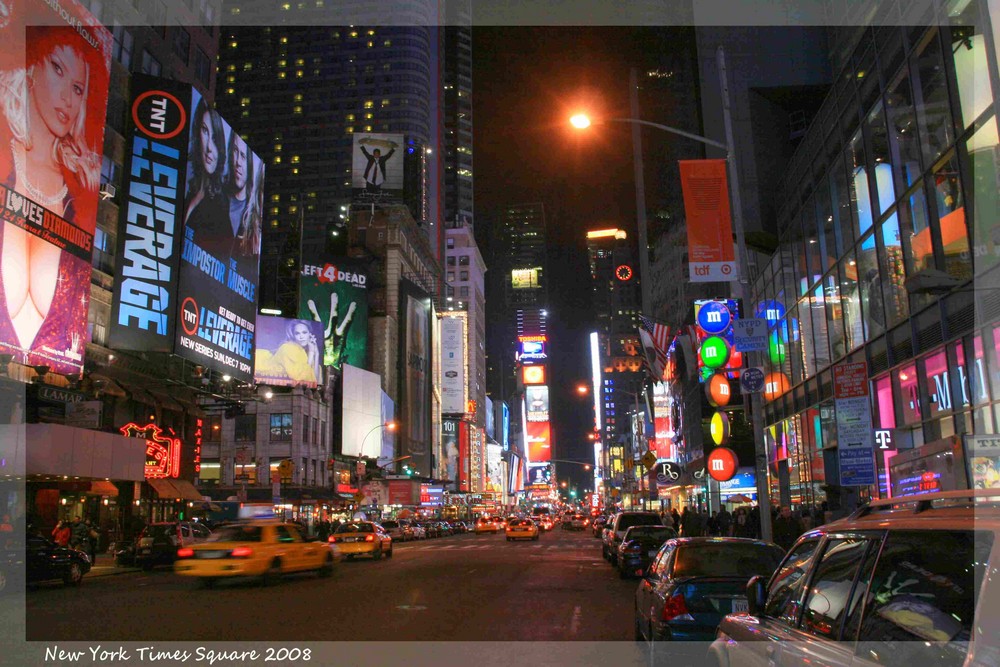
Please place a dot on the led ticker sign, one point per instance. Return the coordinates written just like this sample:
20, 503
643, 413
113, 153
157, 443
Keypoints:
163, 453
533, 375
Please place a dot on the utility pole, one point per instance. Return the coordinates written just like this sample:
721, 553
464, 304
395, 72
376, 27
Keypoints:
742, 291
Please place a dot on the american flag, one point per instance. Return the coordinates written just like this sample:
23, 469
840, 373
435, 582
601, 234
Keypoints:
656, 339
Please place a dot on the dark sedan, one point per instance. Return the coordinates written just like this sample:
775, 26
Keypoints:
639, 547
695, 581
45, 560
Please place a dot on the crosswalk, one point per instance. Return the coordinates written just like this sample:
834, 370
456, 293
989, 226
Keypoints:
483, 546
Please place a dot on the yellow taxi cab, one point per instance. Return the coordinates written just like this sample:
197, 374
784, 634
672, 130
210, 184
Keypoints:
500, 522
263, 548
486, 525
518, 529
362, 538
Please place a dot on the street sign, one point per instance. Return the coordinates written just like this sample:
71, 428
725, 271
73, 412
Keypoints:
750, 335
752, 380
855, 437
648, 460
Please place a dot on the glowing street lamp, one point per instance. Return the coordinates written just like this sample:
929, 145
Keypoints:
580, 121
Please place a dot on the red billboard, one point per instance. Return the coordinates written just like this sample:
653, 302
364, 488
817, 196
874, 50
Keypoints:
463, 456
709, 228
54, 73
539, 442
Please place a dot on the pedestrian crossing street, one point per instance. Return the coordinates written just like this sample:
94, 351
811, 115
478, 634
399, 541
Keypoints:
483, 546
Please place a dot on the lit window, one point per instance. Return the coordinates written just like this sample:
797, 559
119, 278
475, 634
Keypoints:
282, 63
370, 44
283, 40
274, 223
286, 6
293, 209
371, 32
275, 197
233, 44
350, 117
244, 101
299, 62
231, 68
298, 74
385, 103
369, 104
275, 210
298, 97
387, 42
368, 128
281, 75
353, 33
245, 113
297, 109
246, 67
230, 79
230, 91
319, 3
295, 159
349, 129
369, 116
295, 170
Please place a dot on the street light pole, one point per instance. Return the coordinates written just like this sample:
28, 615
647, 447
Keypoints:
581, 121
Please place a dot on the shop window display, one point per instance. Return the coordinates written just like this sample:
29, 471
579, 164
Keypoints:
886, 406
850, 295
968, 49
835, 317
936, 383
951, 218
984, 169
909, 394
871, 288
893, 271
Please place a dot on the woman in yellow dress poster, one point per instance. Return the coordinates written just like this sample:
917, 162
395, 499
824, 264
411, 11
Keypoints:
288, 352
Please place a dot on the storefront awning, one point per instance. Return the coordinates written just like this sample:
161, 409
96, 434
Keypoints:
164, 488
165, 400
107, 385
140, 395
186, 489
102, 488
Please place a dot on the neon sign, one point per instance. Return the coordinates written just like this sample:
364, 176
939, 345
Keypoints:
163, 453
197, 444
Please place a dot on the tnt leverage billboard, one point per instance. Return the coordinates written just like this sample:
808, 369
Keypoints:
54, 72
189, 243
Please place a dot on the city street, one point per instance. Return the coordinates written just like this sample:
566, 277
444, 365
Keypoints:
461, 588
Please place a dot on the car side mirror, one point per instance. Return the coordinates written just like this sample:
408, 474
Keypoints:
756, 595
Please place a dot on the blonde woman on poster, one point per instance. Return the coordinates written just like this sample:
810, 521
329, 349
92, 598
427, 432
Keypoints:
50, 135
297, 359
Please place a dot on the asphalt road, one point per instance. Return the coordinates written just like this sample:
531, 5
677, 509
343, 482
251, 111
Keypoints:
460, 588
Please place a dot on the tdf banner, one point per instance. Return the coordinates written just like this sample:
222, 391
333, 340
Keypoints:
711, 253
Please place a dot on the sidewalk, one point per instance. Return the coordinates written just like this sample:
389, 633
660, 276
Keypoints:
106, 568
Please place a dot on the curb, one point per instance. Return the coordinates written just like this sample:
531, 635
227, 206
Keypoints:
112, 571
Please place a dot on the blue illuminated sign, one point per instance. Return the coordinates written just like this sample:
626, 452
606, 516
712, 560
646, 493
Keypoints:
714, 317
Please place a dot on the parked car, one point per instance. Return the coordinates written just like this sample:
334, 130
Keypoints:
419, 532
902, 582
639, 547
622, 522
158, 543
44, 560
395, 530
598, 525
695, 581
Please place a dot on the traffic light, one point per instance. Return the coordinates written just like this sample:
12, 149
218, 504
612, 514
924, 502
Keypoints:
407, 470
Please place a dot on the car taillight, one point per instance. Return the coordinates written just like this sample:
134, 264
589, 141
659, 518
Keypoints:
369, 538
586, 522
331, 539
185, 553
241, 552
676, 609
633, 549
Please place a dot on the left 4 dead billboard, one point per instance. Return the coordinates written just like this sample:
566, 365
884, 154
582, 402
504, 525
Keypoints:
54, 73
189, 243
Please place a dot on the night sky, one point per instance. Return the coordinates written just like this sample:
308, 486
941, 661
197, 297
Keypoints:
527, 82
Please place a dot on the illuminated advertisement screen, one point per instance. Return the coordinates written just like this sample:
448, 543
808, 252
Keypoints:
54, 73
335, 294
525, 278
531, 352
663, 445
377, 167
533, 375
505, 426
453, 369
539, 444
220, 260
539, 475
362, 413
536, 400
431, 496
449, 449
414, 375
289, 352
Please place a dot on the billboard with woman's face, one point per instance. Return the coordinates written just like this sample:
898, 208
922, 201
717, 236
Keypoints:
54, 72
289, 352
414, 375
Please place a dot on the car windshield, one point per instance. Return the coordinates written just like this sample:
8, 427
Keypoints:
726, 559
236, 534
657, 533
389, 524
355, 528
629, 520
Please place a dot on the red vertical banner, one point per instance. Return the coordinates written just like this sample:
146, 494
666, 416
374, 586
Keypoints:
711, 253
463, 456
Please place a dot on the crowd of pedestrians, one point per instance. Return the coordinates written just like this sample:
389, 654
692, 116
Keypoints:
786, 525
